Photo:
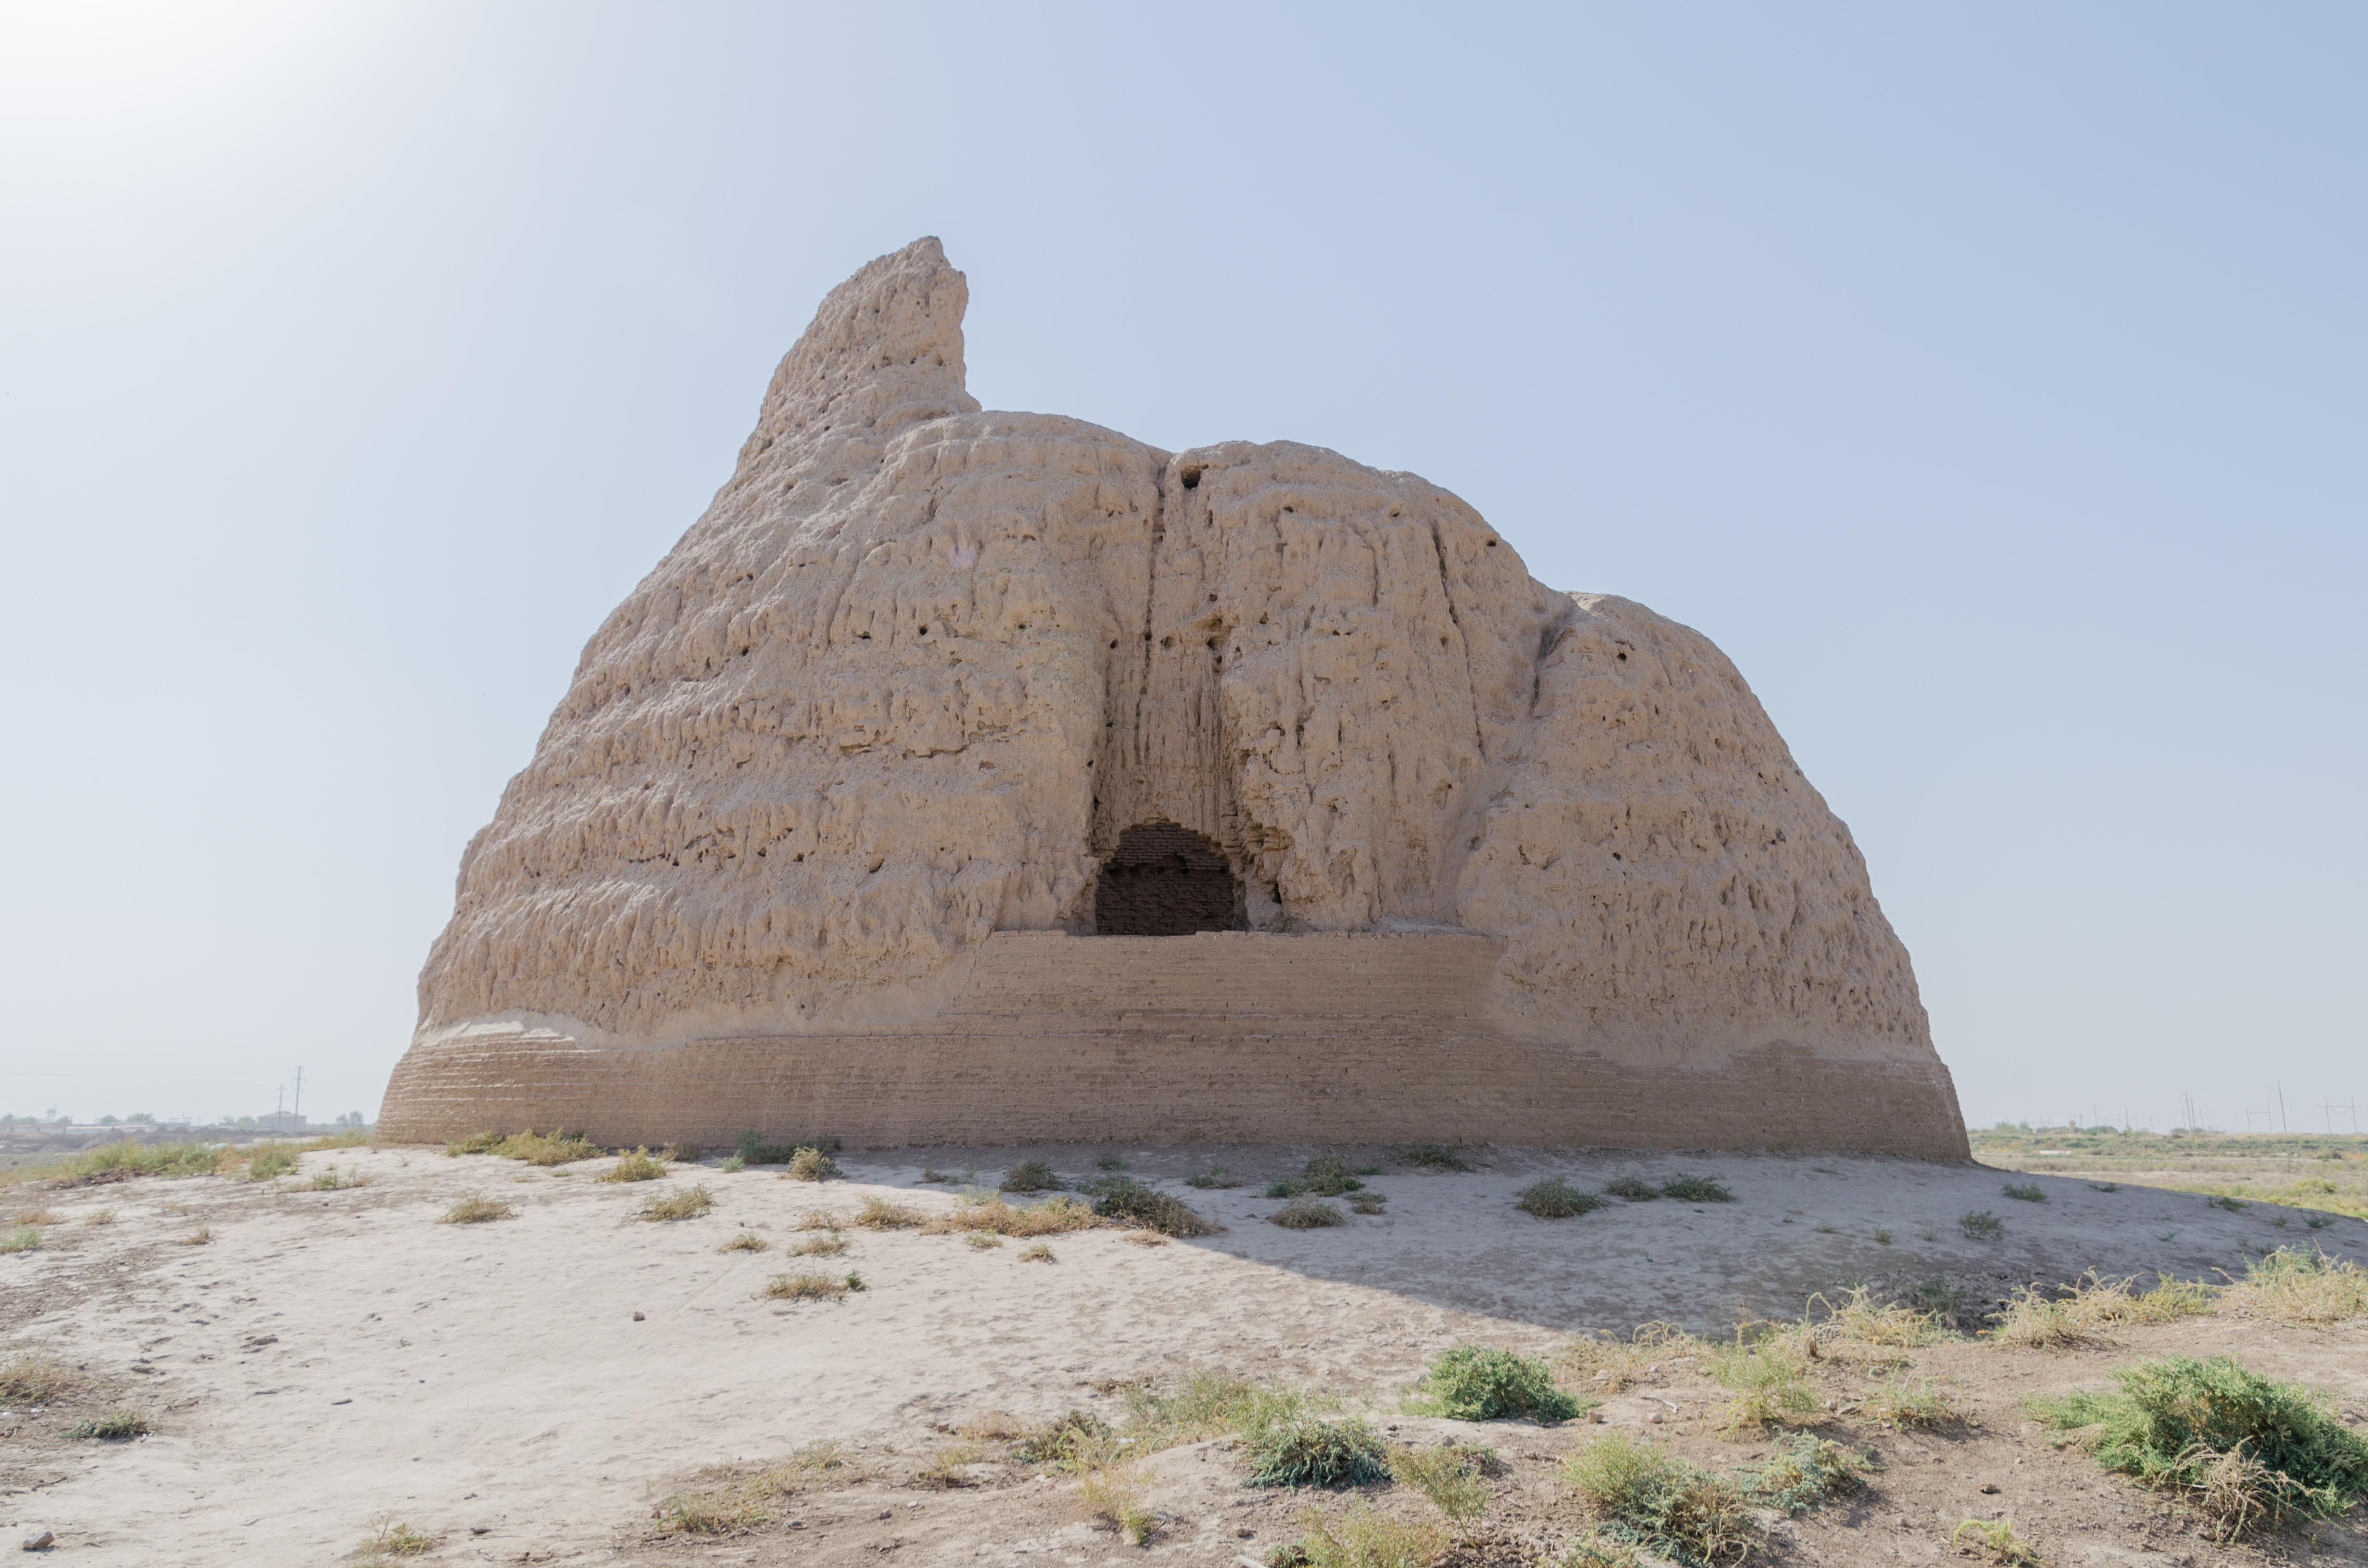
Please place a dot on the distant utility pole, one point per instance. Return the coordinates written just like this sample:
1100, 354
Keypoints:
299, 1107
2282, 1107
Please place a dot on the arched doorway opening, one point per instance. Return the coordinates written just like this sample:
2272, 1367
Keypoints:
1165, 881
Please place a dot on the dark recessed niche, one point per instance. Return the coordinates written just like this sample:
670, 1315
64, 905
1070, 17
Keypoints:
1165, 881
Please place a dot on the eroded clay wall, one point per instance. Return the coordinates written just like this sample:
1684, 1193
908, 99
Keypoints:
904, 687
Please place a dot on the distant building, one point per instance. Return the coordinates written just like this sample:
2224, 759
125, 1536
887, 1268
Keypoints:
279, 1121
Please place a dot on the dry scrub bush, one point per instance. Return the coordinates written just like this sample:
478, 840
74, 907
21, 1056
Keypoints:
476, 1208
115, 1426
1361, 1536
1859, 1319
1073, 1441
709, 1511
1439, 1157
1997, 1537
128, 1158
202, 1236
810, 1165
1652, 1498
830, 1244
1039, 1253
746, 1241
1113, 1493
1473, 1383
983, 1241
1049, 1218
1326, 1176
1981, 1226
1369, 1203
1802, 1472
1289, 1444
947, 1468
2295, 1285
553, 1148
687, 1204
1907, 1404
1304, 1213
1657, 1500
32, 1377
332, 1180
273, 1160
24, 1240
639, 1166
1029, 1176
806, 1288
1608, 1366
1696, 1189
728, 1498
1200, 1405
1125, 1198
99, 1217
2243, 1451
1632, 1188
1449, 1475
2080, 1316
1769, 1373
37, 1217
991, 1426
750, 1148
880, 1214
390, 1540
1555, 1198
822, 1220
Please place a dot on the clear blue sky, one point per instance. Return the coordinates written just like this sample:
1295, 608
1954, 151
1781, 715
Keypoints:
1990, 381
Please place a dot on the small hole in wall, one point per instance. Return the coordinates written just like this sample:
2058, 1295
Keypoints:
1617, 856
1192, 478
1113, 642
1492, 544
1623, 658
1164, 880
925, 631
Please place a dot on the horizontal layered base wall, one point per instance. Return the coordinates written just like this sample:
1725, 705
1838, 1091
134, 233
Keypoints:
1218, 1037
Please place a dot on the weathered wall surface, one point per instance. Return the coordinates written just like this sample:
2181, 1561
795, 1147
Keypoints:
1161, 1039
918, 667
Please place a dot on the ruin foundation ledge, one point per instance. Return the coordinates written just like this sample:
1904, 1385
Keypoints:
1217, 1038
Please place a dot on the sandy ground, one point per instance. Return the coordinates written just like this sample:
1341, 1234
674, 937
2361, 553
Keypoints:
523, 1390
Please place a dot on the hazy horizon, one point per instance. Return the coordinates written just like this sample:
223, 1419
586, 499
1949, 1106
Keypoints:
1988, 384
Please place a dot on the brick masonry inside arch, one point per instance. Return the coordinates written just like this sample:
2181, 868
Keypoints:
1165, 881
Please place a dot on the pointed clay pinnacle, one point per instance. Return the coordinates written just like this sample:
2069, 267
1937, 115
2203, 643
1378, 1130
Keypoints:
884, 350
